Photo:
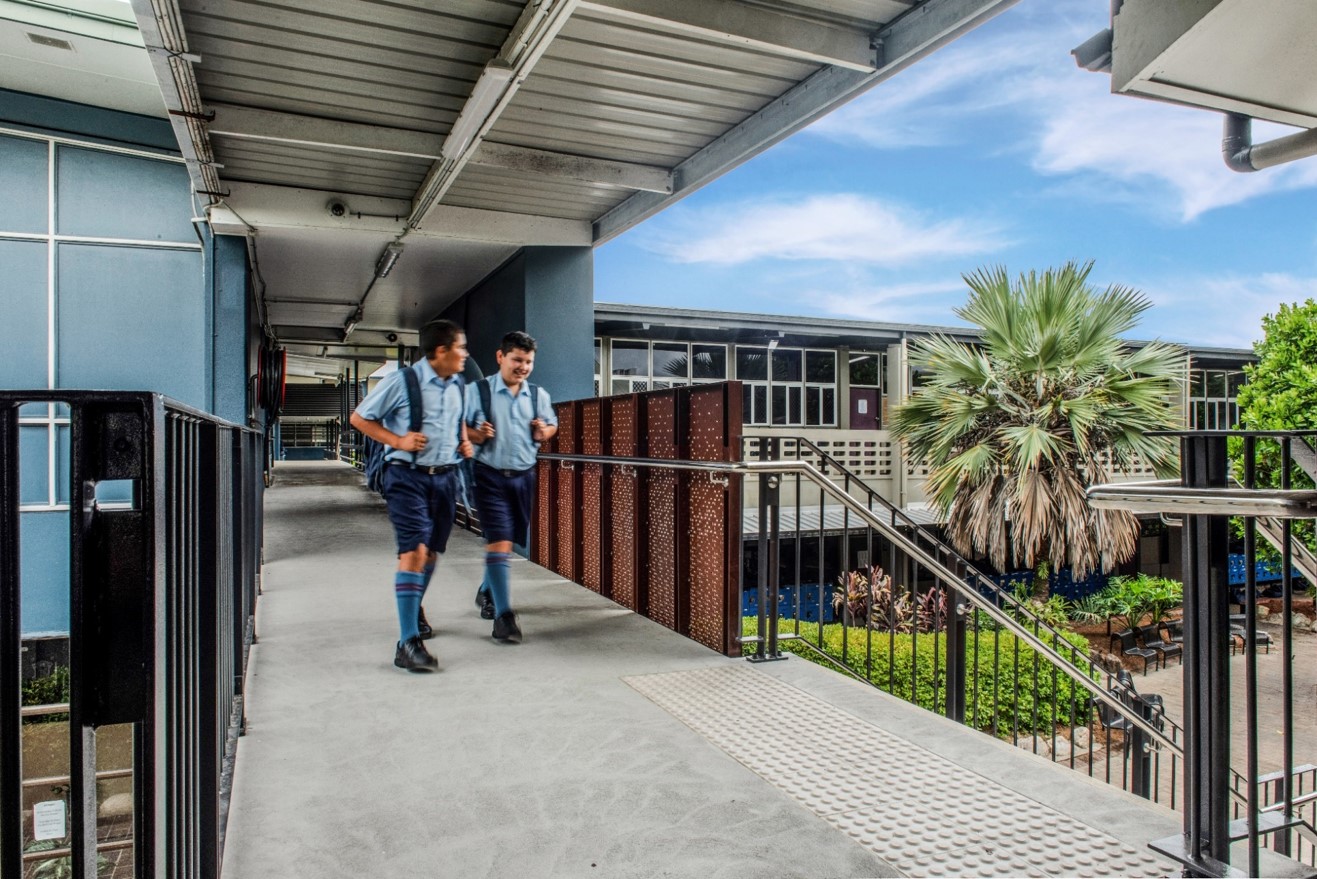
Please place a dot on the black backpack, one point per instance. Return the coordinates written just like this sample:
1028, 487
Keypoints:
486, 388
375, 450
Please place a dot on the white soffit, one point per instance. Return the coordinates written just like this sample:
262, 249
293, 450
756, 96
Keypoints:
1239, 56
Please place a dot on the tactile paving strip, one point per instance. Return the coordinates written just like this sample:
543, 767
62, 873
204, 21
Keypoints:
923, 814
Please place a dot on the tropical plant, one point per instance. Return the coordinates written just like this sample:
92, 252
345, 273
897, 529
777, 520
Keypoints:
1280, 393
868, 596
1128, 600
1052, 610
1016, 428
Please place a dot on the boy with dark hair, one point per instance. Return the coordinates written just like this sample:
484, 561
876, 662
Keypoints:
507, 419
420, 473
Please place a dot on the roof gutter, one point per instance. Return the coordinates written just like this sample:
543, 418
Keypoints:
1242, 155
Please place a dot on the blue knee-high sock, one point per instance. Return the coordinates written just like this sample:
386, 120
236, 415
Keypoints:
498, 571
428, 572
407, 589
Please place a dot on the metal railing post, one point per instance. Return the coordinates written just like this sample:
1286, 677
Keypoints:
1206, 664
957, 617
769, 543
1140, 749
11, 674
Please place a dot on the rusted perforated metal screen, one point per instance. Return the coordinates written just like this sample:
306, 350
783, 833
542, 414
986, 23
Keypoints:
662, 511
566, 524
665, 543
592, 496
622, 534
542, 542
715, 513
542, 547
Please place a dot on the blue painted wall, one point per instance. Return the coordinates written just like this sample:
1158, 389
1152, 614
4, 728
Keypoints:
549, 293
140, 301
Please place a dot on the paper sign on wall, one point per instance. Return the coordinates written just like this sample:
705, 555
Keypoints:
862, 407
48, 820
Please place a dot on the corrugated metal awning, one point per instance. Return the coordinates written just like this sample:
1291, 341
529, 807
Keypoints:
326, 129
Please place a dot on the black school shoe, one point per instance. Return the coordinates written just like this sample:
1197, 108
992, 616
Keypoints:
485, 603
413, 656
506, 628
422, 626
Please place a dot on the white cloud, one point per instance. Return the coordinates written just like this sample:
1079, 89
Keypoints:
1219, 310
1017, 74
920, 302
836, 227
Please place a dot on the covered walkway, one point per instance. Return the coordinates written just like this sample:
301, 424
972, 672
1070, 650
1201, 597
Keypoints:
605, 745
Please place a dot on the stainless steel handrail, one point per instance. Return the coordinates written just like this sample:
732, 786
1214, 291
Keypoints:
1168, 496
907, 546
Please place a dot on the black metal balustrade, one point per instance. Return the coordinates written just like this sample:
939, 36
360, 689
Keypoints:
973, 646
162, 591
1221, 783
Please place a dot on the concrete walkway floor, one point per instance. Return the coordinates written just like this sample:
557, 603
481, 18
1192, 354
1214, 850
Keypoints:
605, 745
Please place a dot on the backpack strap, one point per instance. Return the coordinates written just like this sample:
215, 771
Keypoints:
415, 407
534, 401
486, 398
461, 415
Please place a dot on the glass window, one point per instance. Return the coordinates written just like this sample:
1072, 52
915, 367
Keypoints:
630, 358
829, 414
813, 405
598, 351
1216, 384
779, 413
864, 369
709, 362
752, 364
786, 364
821, 366
793, 401
1234, 381
671, 360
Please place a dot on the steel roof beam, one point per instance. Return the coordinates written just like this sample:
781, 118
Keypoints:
269, 208
251, 123
912, 36
740, 24
622, 175
535, 30
161, 25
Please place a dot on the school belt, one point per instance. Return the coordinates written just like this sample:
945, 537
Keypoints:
507, 473
429, 469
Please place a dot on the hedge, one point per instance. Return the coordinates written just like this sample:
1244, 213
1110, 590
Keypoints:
1002, 696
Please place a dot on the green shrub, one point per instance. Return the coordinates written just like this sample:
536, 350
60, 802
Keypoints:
52, 689
1128, 600
1003, 695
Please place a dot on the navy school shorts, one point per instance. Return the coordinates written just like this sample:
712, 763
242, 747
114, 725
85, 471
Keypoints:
421, 507
505, 503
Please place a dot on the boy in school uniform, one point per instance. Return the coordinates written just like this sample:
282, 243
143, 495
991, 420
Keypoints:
507, 432
420, 473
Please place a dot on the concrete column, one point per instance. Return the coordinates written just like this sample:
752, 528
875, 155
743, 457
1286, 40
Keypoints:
226, 271
549, 293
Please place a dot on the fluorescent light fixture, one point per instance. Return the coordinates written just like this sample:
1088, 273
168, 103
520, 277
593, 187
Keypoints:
772, 344
488, 89
388, 258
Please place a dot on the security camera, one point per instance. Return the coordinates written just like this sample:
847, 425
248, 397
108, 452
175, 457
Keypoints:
337, 208
391, 337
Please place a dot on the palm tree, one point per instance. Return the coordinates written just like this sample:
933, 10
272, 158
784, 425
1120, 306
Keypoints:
1015, 428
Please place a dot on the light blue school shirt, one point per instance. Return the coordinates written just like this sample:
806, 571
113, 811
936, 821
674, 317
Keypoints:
512, 448
441, 402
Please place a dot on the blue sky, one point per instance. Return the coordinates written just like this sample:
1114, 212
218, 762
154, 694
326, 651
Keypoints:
997, 150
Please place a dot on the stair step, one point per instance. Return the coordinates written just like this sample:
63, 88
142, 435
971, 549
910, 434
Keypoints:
1268, 822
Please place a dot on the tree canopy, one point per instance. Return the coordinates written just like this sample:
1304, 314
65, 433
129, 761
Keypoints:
1014, 429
